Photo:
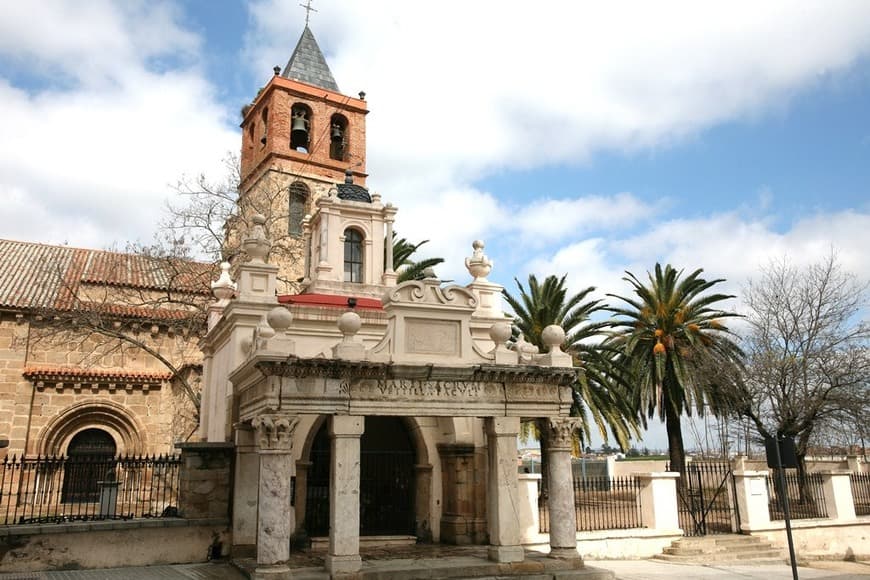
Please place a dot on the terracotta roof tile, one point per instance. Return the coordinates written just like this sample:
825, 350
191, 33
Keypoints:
33, 372
41, 276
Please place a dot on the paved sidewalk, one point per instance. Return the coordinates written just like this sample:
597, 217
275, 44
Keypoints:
655, 569
624, 570
217, 571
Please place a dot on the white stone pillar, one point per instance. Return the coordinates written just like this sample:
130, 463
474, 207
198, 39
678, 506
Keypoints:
563, 516
837, 487
274, 516
502, 496
246, 482
658, 499
343, 556
530, 516
752, 500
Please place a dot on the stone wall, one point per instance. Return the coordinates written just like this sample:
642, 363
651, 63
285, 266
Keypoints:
109, 544
205, 486
75, 388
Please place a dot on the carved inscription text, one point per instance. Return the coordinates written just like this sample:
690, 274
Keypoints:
413, 388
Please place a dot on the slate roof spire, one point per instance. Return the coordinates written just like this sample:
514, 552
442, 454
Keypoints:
308, 65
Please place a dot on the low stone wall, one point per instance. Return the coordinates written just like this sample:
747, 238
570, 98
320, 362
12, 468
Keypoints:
820, 539
109, 544
633, 544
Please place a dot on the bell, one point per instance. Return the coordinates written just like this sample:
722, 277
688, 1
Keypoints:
299, 124
336, 132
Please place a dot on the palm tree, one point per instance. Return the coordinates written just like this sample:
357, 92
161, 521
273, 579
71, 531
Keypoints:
667, 339
595, 393
407, 268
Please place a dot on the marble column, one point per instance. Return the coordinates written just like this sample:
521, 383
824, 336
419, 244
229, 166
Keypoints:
563, 517
343, 556
502, 490
274, 516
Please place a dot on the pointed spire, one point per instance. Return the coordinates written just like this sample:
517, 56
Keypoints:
308, 65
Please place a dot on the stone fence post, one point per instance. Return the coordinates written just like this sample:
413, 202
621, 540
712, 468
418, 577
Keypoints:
530, 517
658, 499
837, 487
204, 479
752, 500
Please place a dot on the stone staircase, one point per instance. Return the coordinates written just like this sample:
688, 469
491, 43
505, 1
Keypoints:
724, 548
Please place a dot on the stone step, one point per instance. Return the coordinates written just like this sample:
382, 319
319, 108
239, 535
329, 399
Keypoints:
754, 556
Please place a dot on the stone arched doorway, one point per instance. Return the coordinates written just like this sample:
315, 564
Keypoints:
387, 480
90, 459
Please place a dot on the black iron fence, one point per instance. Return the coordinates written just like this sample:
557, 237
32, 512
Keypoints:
64, 489
601, 503
806, 498
861, 493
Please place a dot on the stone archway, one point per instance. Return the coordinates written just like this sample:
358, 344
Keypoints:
395, 479
127, 432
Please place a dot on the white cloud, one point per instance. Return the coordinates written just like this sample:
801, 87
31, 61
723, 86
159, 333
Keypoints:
90, 159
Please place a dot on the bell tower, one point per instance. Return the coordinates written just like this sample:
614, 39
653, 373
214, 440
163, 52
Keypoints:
300, 138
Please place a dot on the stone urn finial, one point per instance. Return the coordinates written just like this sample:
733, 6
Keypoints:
257, 245
479, 265
223, 288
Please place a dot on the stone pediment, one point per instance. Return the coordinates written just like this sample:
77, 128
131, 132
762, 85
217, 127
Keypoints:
429, 293
428, 324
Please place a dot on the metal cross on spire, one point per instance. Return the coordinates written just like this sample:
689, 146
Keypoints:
308, 10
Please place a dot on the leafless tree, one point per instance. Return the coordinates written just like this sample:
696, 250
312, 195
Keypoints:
807, 356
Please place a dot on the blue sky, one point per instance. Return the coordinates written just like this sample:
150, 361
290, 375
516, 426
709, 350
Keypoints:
572, 137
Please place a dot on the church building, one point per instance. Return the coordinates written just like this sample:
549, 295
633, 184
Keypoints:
363, 411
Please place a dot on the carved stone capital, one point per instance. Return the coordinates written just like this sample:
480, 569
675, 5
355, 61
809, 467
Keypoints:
562, 431
275, 432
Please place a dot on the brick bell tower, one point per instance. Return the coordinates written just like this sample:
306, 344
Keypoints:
300, 138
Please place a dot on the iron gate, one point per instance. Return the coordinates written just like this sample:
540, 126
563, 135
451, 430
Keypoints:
707, 500
387, 460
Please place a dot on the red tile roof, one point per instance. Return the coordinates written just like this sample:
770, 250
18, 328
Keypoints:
45, 276
55, 373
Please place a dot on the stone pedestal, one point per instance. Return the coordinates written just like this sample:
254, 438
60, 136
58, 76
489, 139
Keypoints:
837, 487
563, 517
502, 490
751, 487
343, 556
274, 520
658, 499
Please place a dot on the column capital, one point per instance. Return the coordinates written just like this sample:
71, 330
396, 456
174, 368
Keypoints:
503, 426
346, 426
562, 431
275, 431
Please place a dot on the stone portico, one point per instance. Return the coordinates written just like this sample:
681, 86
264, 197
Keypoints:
440, 367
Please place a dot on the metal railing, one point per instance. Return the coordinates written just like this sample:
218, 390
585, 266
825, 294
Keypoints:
861, 493
82, 488
806, 498
601, 503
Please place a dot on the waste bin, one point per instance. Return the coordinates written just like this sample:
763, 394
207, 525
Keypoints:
108, 498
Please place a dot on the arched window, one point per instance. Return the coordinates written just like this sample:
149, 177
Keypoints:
265, 118
90, 459
300, 128
298, 197
353, 256
338, 137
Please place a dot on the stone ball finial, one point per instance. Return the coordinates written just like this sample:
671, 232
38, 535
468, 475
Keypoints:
478, 265
553, 336
500, 332
279, 318
349, 323
429, 273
